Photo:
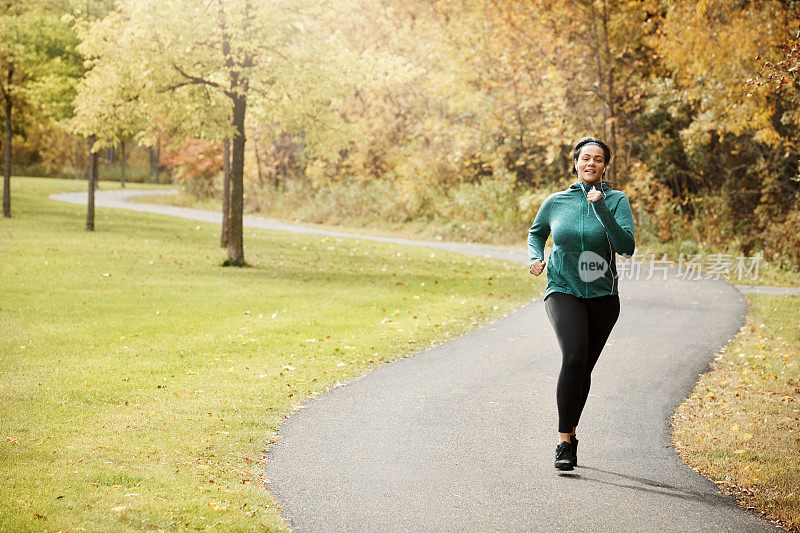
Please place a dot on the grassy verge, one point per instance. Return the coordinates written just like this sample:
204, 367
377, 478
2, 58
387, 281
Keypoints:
140, 382
741, 425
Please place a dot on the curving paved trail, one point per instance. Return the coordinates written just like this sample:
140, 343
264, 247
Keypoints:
461, 437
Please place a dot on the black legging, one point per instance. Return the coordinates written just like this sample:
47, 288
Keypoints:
582, 326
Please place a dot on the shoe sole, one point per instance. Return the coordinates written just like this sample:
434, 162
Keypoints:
564, 466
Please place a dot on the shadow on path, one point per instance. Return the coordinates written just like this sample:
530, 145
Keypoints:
648, 485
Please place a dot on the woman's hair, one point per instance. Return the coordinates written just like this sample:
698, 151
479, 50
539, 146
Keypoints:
589, 140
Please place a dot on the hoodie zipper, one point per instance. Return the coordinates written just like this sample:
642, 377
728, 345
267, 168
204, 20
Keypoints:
585, 283
614, 278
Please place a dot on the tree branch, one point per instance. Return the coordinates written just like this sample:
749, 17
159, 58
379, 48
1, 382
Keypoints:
194, 80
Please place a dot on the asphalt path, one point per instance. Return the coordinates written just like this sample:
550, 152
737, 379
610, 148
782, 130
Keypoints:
461, 437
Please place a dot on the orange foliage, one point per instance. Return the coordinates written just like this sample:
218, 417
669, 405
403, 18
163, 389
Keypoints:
195, 163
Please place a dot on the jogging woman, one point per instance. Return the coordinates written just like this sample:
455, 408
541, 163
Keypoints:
590, 223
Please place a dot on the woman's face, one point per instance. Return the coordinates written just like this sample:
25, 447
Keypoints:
590, 164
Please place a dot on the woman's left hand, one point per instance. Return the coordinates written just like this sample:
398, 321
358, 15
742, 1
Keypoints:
593, 195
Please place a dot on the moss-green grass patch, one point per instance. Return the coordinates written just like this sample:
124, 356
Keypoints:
741, 425
141, 382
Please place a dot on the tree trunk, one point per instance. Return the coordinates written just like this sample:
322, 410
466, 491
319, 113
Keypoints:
78, 149
226, 191
122, 162
610, 94
155, 160
7, 159
93, 156
256, 142
235, 238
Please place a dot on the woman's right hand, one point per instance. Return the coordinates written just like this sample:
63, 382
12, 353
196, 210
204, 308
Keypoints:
537, 267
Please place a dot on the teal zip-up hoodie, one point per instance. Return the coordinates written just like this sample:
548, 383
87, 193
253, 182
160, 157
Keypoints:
586, 237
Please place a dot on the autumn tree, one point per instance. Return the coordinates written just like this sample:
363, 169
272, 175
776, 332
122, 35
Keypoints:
38, 69
738, 138
205, 66
512, 83
777, 81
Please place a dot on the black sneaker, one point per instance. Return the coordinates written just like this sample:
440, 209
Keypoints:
564, 456
574, 443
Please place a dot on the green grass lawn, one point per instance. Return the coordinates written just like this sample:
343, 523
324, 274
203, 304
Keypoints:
141, 382
741, 425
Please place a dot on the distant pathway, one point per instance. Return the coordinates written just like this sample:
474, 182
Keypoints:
461, 437
775, 291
